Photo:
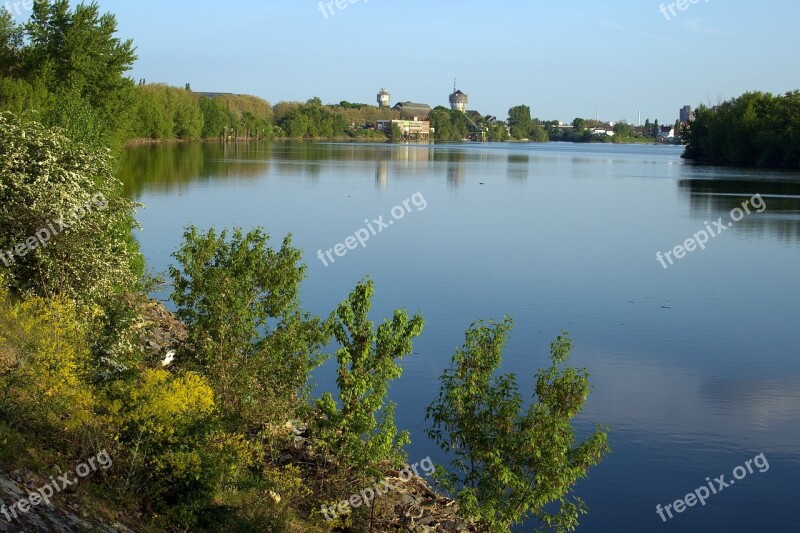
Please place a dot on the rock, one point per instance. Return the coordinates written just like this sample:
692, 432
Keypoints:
425, 520
407, 499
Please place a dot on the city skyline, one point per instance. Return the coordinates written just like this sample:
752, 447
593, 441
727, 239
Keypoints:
564, 61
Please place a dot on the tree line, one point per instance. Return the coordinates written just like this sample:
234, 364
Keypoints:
756, 129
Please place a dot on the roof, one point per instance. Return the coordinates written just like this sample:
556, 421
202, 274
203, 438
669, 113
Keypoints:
413, 109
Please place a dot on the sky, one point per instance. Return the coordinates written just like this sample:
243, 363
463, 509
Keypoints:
563, 58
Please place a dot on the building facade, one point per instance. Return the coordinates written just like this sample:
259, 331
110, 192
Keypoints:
459, 101
413, 130
384, 99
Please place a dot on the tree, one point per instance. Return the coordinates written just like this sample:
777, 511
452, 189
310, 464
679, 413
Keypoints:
397, 132
538, 133
509, 462
361, 434
623, 130
755, 129
519, 121
11, 41
78, 51
215, 118
498, 132
579, 125
247, 334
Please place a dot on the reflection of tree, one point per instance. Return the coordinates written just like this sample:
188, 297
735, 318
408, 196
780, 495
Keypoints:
167, 166
456, 165
712, 198
518, 167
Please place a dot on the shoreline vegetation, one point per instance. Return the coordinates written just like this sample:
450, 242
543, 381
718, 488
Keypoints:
754, 130
169, 114
209, 413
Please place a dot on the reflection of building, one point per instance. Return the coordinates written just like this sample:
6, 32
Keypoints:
384, 98
381, 174
412, 130
412, 110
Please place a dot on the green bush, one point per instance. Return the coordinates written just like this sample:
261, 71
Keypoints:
509, 462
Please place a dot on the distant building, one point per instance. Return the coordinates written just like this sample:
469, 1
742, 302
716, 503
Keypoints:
666, 132
411, 110
458, 101
215, 95
687, 115
384, 98
413, 130
474, 115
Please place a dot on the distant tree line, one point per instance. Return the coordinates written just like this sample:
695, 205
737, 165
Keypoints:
755, 129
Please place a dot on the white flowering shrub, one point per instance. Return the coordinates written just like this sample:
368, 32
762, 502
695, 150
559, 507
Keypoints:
65, 228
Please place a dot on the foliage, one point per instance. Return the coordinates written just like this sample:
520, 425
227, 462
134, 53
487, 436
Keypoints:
498, 132
360, 434
76, 53
44, 370
511, 462
520, 122
46, 177
397, 132
755, 129
450, 125
247, 334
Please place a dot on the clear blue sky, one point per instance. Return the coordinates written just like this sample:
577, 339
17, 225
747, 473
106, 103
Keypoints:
563, 58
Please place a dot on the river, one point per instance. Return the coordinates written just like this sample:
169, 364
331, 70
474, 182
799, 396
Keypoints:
693, 358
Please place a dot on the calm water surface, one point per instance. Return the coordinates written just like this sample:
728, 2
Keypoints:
695, 368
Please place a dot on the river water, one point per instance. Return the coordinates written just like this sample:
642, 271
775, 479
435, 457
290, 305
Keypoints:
694, 367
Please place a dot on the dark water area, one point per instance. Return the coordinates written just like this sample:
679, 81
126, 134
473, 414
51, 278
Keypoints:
694, 367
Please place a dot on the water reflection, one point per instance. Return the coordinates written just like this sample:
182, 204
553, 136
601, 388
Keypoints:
711, 192
712, 198
518, 165
680, 404
168, 167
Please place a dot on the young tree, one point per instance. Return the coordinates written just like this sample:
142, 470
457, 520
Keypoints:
511, 462
247, 334
361, 435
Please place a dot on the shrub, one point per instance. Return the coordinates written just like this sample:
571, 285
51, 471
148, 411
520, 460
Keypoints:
47, 179
510, 463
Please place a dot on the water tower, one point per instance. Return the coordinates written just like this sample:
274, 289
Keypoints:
458, 100
384, 98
